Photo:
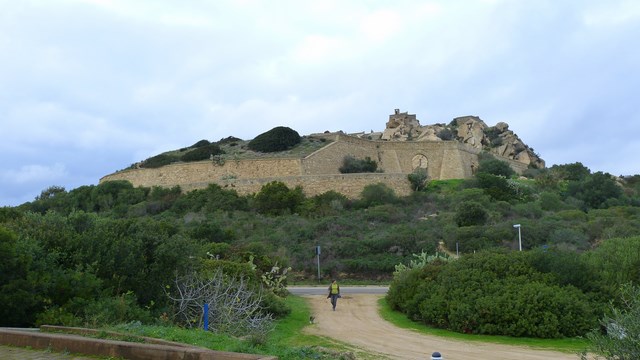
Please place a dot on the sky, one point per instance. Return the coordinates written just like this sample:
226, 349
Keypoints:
89, 87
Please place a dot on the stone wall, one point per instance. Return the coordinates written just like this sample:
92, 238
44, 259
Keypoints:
445, 159
350, 185
184, 174
318, 172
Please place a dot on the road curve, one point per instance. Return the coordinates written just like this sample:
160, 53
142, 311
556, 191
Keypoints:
356, 321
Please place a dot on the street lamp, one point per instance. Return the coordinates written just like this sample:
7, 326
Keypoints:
517, 226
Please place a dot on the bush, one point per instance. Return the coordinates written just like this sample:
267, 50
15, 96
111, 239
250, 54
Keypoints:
275, 198
620, 341
201, 143
377, 194
418, 179
445, 134
496, 167
202, 153
471, 213
496, 293
596, 190
158, 161
352, 165
277, 139
495, 186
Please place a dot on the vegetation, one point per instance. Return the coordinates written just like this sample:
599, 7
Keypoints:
418, 179
352, 165
277, 139
498, 293
622, 325
105, 254
203, 152
278, 142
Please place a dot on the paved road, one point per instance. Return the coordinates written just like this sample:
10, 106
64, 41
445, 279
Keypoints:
344, 290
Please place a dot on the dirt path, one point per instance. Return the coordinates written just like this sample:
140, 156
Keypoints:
356, 321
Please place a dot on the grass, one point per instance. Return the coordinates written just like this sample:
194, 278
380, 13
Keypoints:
287, 341
571, 345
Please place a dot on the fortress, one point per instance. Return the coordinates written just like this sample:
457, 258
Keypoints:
399, 150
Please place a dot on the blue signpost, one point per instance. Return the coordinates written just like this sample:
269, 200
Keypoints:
206, 317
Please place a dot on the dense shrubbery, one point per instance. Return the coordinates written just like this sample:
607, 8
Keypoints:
352, 165
277, 139
158, 161
493, 293
98, 246
490, 165
203, 152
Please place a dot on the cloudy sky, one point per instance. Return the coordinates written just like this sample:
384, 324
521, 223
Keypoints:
88, 87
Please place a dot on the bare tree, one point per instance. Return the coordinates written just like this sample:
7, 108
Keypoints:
234, 306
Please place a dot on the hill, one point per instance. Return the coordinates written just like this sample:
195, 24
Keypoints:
316, 162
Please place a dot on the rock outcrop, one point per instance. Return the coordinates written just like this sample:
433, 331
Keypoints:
471, 130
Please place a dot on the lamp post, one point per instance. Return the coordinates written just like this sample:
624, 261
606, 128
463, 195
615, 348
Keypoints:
517, 226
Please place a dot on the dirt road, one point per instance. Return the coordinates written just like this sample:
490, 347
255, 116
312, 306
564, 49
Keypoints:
356, 321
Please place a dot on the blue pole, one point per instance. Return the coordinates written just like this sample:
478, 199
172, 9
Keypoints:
206, 317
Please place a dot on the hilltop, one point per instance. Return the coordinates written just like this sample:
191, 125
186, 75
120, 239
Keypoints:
316, 162
402, 126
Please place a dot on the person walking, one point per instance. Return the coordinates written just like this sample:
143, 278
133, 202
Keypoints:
334, 293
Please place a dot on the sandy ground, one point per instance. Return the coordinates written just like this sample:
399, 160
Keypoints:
356, 321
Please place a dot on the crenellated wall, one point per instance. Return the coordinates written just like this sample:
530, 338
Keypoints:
318, 172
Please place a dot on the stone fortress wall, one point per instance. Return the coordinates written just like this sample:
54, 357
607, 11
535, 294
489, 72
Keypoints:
318, 172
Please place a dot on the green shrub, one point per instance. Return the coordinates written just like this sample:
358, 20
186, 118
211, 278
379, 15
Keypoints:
445, 134
352, 165
204, 152
418, 179
201, 143
275, 198
495, 167
495, 186
275, 305
158, 161
471, 213
497, 293
377, 194
573, 172
277, 139
596, 190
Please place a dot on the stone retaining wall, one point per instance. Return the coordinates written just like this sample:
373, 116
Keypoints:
111, 348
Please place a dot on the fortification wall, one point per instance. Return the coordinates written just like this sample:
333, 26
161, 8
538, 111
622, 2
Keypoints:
318, 172
350, 185
184, 174
445, 159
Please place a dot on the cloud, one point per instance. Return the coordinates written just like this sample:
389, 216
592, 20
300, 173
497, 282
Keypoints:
95, 85
34, 174
612, 14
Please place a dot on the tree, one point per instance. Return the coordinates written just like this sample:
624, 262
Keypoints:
495, 167
495, 186
233, 304
596, 190
572, 172
418, 179
277, 139
471, 213
275, 198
